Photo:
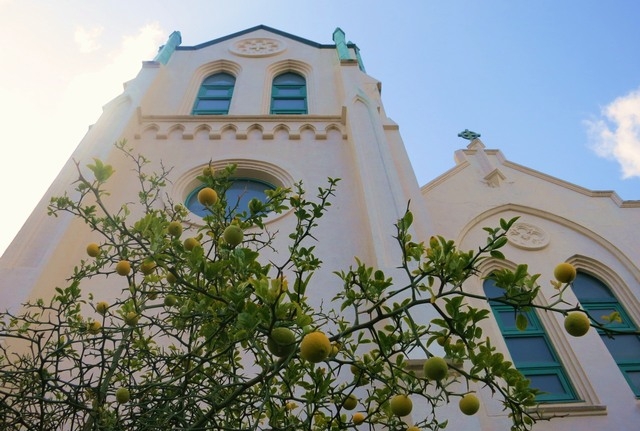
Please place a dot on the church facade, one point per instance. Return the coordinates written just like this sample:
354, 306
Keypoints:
286, 109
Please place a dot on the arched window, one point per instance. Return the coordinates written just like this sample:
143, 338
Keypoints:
215, 94
531, 350
238, 195
289, 94
598, 300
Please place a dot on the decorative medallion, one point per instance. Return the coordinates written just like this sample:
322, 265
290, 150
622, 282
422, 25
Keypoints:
257, 47
528, 236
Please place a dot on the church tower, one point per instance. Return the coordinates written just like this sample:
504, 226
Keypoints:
282, 108
285, 110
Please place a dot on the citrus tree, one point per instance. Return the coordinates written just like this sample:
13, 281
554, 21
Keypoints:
205, 334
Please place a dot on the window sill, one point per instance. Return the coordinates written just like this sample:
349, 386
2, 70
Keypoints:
566, 409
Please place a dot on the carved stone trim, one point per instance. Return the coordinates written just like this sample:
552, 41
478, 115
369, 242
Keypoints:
528, 236
257, 47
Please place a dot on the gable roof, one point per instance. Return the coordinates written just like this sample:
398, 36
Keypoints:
259, 27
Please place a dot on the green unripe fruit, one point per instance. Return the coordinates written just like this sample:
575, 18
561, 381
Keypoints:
175, 229
565, 272
233, 235
401, 405
123, 395
469, 404
281, 342
170, 300
350, 402
577, 323
435, 368
191, 243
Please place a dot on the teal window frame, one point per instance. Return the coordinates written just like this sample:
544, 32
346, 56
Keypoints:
289, 89
597, 299
533, 370
237, 201
216, 90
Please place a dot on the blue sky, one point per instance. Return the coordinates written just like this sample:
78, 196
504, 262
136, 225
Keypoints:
554, 84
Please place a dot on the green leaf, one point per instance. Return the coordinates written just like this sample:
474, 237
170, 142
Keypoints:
521, 322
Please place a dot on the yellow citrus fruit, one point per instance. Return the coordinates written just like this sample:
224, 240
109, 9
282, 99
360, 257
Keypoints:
191, 243
281, 342
358, 418
131, 318
291, 405
101, 307
469, 404
350, 402
335, 348
207, 196
123, 267
401, 405
175, 228
122, 395
208, 171
170, 300
93, 249
94, 327
413, 428
233, 235
564, 272
435, 368
576, 323
147, 267
315, 347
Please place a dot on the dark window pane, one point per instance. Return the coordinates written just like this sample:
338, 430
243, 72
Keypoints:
288, 104
550, 384
242, 191
623, 347
588, 288
238, 196
216, 92
289, 79
289, 92
220, 79
633, 377
529, 350
213, 105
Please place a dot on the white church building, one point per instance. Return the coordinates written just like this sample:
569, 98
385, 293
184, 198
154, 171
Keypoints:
286, 109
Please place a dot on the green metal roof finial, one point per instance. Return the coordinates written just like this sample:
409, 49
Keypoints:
469, 135
164, 54
341, 44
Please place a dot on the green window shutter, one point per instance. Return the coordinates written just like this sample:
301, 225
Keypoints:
600, 302
214, 96
289, 94
531, 349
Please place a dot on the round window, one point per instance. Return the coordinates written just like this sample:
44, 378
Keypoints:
240, 192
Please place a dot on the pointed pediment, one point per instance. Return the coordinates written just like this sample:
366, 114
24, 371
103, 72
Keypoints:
495, 178
248, 31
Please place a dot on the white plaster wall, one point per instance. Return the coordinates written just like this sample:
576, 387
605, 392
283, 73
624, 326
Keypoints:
593, 230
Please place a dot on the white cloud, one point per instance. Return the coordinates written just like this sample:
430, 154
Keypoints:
87, 92
87, 39
73, 98
617, 134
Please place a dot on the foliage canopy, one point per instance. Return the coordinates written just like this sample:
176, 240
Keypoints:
195, 339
